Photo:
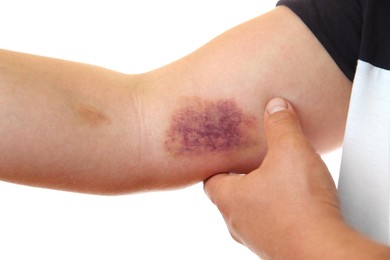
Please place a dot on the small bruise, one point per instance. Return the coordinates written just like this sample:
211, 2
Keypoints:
91, 115
202, 126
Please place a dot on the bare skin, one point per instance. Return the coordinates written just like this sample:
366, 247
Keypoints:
288, 207
82, 128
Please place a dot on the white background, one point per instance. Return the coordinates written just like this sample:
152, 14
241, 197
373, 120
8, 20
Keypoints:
132, 37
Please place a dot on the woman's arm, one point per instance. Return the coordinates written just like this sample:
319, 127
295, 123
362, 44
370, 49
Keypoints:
77, 127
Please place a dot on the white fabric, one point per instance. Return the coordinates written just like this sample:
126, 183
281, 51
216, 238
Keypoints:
365, 169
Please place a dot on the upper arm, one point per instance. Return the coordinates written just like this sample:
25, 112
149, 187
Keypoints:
272, 55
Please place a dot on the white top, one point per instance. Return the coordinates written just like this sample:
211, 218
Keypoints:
365, 169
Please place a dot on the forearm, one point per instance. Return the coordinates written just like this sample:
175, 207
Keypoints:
322, 237
332, 240
319, 238
66, 125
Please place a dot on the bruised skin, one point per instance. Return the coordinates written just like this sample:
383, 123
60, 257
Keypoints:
208, 126
203, 136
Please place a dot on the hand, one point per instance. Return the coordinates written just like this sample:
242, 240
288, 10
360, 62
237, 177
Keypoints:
288, 202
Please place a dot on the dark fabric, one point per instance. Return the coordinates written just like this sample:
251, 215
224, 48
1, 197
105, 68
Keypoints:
375, 46
338, 26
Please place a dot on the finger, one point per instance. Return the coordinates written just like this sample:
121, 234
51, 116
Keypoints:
219, 189
281, 123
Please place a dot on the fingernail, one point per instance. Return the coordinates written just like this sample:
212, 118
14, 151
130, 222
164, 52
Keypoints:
276, 105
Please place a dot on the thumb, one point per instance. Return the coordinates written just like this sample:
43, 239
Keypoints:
220, 187
281, 123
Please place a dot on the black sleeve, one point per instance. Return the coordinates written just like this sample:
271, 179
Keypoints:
337, 24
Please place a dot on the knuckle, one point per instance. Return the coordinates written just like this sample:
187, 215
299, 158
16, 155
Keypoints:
284, 129
235, 236
290, 141
224, 207
221, 201
278, 119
